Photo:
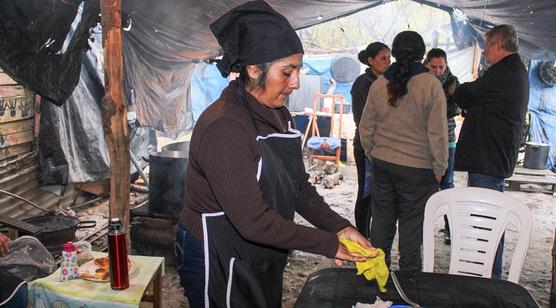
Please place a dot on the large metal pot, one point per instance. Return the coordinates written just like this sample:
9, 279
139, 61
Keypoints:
167, 182
58, 229
178, 146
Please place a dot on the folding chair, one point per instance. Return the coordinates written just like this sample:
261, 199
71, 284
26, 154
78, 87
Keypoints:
477, 219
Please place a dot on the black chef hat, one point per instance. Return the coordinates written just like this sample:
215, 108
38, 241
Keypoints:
253, 33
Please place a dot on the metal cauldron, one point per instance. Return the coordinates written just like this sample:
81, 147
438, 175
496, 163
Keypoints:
167, 182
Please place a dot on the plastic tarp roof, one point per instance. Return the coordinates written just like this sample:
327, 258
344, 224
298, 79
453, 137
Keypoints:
166, 37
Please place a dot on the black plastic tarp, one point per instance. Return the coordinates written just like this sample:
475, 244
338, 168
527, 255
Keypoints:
72, 145
37, 47
71, 141
162, 40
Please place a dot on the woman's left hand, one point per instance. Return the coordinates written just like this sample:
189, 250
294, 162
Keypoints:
352, 234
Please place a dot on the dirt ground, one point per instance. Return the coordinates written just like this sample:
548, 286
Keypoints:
535, 276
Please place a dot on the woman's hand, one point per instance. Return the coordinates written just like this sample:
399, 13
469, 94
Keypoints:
4, 240
343, 254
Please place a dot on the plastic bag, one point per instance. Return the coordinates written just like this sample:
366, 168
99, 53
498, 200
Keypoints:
28, 259
84, 252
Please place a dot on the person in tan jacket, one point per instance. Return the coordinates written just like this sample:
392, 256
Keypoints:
404, 131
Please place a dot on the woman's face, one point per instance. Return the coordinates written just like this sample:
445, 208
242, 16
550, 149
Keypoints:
380, 62
281, 79
437, 66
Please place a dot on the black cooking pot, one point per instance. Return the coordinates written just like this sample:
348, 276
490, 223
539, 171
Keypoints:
167, 182
58, 229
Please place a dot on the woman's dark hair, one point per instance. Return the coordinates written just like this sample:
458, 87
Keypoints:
435, 53
371, 51
255, 83
408, 47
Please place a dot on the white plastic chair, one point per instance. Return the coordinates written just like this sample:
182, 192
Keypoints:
477, 219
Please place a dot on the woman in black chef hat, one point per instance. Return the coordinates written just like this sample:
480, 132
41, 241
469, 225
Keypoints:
246, 177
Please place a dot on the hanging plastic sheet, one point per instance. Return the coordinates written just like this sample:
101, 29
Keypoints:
71, 138
38, 50
158, 61
72, 146
542, 108
163, 40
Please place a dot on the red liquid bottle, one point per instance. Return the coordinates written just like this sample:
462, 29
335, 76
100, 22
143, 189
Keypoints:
117, 255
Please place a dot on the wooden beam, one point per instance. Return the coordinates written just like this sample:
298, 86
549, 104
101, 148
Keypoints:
15, 150
114, 112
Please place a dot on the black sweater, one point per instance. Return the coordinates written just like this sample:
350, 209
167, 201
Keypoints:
359, 92
495, 107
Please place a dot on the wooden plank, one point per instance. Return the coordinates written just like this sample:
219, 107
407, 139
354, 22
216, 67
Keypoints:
527, 171
5, 79
532, 179
15, 138
96, 188
16, 108
17, 126
14, 90
514, 183
15, 150
20, 225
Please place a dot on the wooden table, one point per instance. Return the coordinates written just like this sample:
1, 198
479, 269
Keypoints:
531, 176
51, 292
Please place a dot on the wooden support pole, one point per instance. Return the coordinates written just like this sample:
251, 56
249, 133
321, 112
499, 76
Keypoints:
114, 112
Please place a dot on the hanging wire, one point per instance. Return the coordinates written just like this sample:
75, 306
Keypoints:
481, 22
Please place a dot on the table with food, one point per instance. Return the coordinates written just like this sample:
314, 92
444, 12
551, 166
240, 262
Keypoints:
92, 287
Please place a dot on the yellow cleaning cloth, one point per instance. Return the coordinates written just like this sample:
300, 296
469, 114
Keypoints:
372, 268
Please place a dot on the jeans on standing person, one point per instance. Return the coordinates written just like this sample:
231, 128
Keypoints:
190, 264
495, 183
448, 178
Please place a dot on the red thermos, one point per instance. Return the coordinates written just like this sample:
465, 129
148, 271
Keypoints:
117, 255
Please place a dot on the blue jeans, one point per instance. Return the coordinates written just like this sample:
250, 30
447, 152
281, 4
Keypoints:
494, 183
448, 178
190, 264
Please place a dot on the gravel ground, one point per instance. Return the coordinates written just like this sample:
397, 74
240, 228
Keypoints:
536, 274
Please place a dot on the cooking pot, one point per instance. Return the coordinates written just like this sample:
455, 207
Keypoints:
58, 229
178, 146
167, 171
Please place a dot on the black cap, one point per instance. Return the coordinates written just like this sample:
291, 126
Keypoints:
253, 33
